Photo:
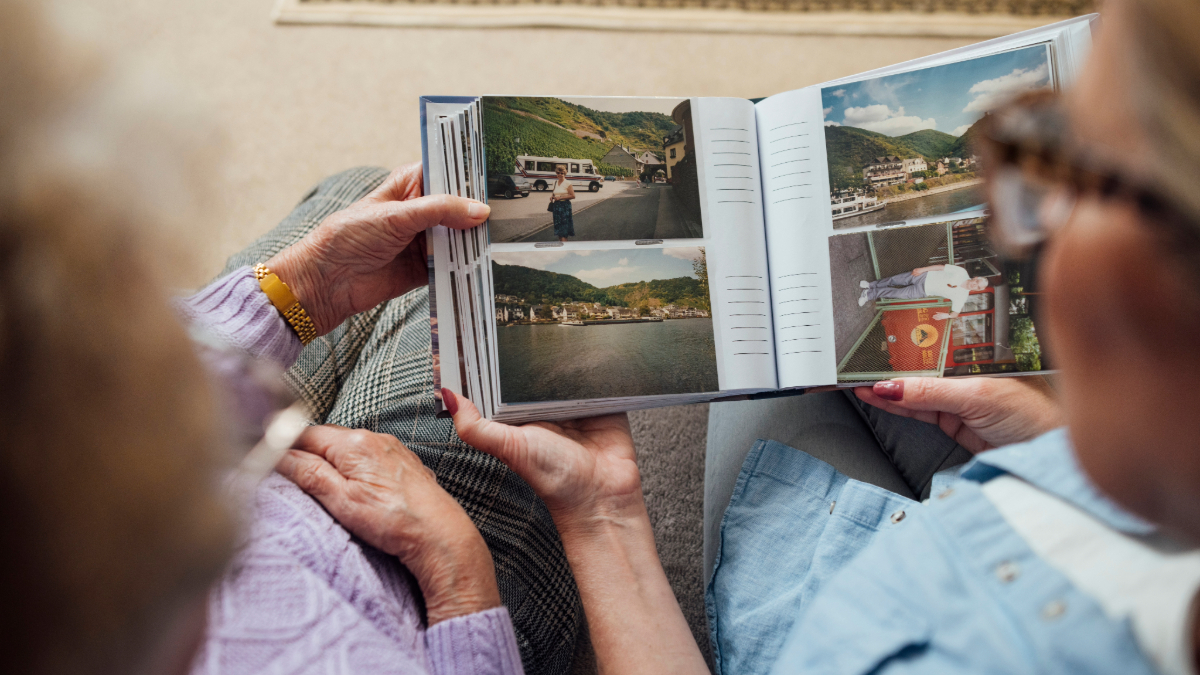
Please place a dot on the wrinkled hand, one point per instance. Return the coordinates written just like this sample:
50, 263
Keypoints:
381, 492
372, 251
582, 469
979, 413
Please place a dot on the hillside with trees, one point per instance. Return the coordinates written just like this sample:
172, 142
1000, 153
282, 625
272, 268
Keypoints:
930, 144
542, 287
683, 291
965, 145
547, 126
850, 148
642, 130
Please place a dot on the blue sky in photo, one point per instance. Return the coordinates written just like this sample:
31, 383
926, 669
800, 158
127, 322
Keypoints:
948, 98
609, 267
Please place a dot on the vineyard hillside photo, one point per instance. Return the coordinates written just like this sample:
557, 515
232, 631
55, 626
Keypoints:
590, 169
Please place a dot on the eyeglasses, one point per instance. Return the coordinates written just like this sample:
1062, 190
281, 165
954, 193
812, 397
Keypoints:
1037, 171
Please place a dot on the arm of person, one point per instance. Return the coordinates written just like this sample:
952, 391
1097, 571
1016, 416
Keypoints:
379, 490
943, 315
931, 268
586, 473
355, 259
980, 413
570, 191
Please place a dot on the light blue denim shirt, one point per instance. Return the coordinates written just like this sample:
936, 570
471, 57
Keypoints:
818, 573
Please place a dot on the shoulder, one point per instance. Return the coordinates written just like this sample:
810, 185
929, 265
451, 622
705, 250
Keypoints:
956, 271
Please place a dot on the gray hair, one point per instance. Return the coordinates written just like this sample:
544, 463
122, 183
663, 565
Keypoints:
112, 452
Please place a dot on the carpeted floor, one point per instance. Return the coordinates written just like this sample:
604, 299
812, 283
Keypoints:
670, 443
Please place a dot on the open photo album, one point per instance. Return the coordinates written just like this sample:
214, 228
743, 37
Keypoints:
647, 252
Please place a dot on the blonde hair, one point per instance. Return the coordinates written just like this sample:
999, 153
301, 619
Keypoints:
109, 468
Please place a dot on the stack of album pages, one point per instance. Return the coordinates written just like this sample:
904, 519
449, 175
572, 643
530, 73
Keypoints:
646, 252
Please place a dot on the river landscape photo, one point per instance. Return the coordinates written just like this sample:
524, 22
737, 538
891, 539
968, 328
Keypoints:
575, 325
904, 146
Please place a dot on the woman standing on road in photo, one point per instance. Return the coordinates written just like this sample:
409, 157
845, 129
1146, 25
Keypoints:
560, 205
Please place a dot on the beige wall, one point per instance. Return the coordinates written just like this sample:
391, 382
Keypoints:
297, 103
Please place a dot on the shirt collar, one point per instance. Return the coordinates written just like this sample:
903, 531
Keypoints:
1048, 462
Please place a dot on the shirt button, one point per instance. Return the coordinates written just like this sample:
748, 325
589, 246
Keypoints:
831, 505
1053, 610
897, 517
1007, 571
946, 493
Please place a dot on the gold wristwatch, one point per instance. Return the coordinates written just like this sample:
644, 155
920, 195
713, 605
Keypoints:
281, 296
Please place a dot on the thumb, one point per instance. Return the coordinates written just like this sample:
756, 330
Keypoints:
408, 218
497, 440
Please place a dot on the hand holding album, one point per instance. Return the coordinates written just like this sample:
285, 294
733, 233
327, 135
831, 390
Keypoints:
978, 413
582, 469
371, 252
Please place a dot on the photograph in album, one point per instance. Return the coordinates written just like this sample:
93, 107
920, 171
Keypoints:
590, 169
573, 325
930, 300
902, 147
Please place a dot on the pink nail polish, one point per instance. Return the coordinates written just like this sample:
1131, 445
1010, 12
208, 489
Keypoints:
449, 400
889, 391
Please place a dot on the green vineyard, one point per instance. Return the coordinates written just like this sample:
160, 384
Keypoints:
502, 126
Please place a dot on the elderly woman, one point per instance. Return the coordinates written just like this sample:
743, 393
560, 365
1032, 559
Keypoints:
560, 204
120, 441
1066, 543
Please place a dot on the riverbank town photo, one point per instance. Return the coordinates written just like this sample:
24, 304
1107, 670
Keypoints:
574, 325
903, 146
590, 169
929, 300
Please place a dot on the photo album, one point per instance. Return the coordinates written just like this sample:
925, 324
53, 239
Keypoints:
647, 252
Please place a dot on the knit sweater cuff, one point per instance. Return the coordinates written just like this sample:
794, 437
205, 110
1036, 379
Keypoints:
235, 309
482, 643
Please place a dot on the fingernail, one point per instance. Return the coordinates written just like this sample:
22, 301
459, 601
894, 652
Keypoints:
450, 401
478, 210
889, 391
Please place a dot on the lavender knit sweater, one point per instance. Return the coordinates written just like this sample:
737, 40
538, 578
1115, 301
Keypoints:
303, 595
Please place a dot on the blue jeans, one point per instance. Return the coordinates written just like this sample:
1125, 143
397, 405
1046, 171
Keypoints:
865, 443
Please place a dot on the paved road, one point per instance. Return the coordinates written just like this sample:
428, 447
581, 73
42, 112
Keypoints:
849, 263
619, 211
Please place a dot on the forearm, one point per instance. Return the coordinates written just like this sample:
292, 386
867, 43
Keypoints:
633, 617
234, 309
922, 270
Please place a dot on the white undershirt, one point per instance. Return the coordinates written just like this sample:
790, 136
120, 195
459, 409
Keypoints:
1152, 583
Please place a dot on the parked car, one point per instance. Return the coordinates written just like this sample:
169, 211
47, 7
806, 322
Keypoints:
509, 186
610, 178
660, 179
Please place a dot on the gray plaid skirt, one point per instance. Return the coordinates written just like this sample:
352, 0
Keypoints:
375, 372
